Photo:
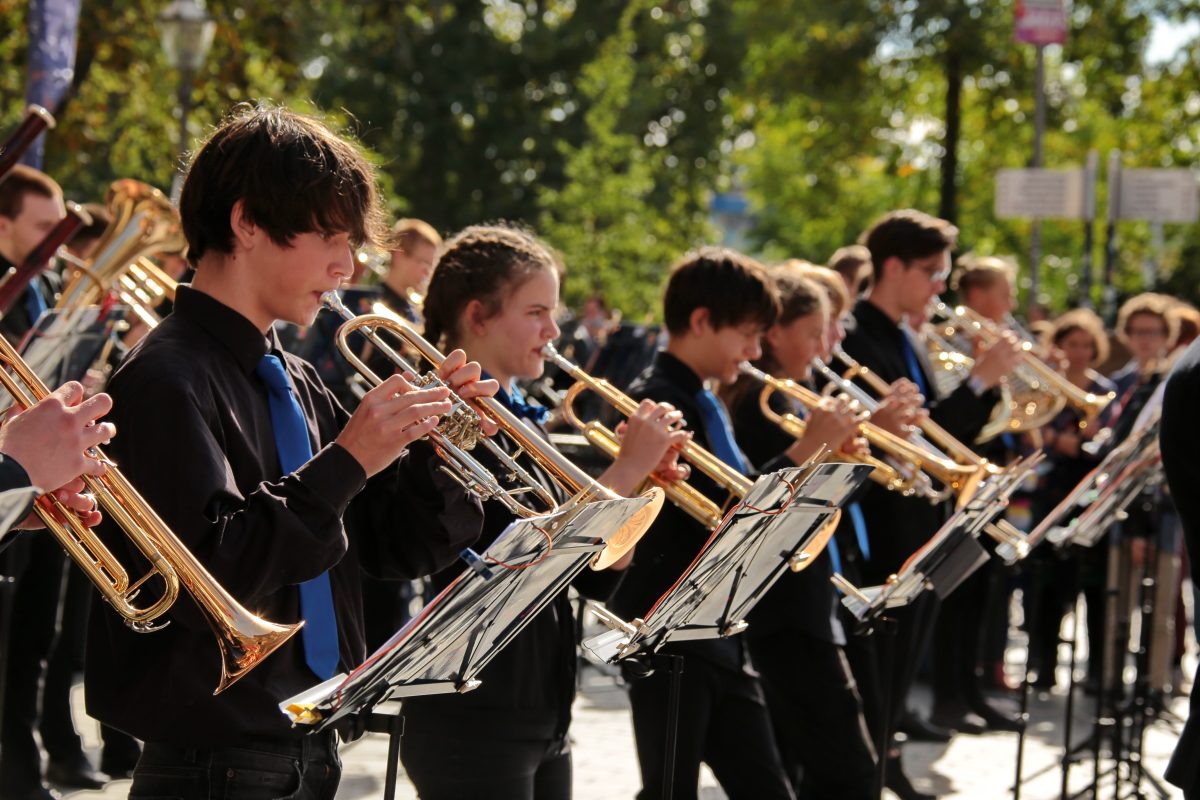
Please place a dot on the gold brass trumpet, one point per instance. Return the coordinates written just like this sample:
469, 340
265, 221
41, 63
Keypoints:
1049, 389
681, 493
244, 639
459, 432
942, 445
910, 461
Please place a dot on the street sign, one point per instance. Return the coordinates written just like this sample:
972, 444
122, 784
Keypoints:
1041, 194
1040, 22
1159, 195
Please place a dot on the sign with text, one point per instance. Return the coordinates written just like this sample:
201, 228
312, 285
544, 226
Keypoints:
1040, 22
1040, 194
1159, 195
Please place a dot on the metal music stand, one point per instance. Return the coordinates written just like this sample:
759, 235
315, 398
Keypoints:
760, 538
444, 648
951, 555
65, 343
758, 541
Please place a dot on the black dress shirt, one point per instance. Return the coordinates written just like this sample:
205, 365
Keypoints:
675, 538
527, 690
195, 438
803, 601
898, 525
1179, 438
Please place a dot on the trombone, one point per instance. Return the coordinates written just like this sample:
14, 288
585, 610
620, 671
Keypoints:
681, 493
459, 432
909, 462
244, 639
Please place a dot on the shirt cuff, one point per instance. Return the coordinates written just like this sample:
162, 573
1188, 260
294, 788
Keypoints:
335, 476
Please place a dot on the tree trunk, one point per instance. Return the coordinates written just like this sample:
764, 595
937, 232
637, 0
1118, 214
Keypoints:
948, 205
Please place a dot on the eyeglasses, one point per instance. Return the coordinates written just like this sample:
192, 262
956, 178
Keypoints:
934, 274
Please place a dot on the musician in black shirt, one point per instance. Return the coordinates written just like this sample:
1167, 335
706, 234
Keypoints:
215, 419
494, 293
910, 259
717, 305
795, 635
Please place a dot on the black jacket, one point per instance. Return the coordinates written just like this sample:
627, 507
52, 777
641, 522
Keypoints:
898, 525
1180, 441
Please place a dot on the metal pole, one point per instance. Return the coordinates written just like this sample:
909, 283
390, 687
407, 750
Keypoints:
1110, 236
1039, 129
185, 107
1089, 227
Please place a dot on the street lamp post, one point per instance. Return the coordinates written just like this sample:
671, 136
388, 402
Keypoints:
186, 31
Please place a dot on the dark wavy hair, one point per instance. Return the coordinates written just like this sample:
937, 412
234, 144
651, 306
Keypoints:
293, 175
733, 287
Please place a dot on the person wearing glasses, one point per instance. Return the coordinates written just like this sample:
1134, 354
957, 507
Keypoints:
910, 262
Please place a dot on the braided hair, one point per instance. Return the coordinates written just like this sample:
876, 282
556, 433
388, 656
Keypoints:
484, 263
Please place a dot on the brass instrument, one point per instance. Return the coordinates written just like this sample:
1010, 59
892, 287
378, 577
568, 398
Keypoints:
1048, 391
681, 493
144, 223
143, 286
952, 368
699, 507
904, 475
945, 448
459, 432
244, 639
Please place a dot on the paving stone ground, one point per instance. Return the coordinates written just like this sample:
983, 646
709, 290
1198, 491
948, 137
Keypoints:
968, 768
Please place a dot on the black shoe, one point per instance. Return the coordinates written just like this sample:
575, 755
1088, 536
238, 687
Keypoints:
959, 721
118, 768
75, 774
996, 720
900, 785
34, 793
922, 730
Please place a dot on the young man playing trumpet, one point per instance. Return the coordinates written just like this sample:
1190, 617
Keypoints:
250, 460
910, 260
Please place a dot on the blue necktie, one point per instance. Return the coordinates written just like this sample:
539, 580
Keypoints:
35, 304
720, 431
860, 529
319, 634
914, 366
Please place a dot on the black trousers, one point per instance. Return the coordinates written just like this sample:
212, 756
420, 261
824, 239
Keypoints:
463, 767
301, 769
31, 637
723, 722
818, 716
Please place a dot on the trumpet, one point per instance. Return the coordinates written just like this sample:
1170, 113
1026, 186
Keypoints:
460, 432
948, 454
904, 475
244, 639
681, 493
1043, 391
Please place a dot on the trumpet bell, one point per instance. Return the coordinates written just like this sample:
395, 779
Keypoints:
627, 536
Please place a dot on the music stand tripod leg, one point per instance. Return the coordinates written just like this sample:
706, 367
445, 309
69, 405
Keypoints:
393, 726
674, 665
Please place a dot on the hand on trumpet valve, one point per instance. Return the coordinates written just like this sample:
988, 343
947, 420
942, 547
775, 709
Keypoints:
53, 439
650, 439
465, 378
833, 424
73, 496
390, 417
901, 410
996, 361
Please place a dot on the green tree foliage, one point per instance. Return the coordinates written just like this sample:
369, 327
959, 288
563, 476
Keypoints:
609, 123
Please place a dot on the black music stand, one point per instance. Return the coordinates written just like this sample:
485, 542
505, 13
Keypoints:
950, 556
763, 536
757, 542
444, 648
